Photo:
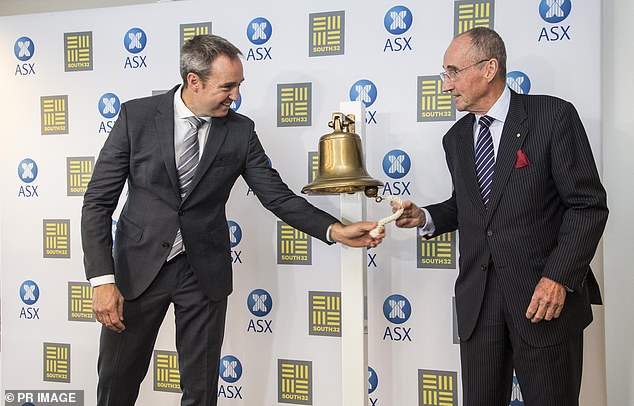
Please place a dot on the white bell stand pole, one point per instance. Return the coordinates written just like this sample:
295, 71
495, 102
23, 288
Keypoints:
354, 328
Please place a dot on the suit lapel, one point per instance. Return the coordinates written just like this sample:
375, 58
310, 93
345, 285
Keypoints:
466, 162
164, 122
513, 135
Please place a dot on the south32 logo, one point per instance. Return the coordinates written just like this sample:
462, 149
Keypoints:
259, 31
396, 164
134, 42
230, 373
397, 310
24, 49
29, 294
554, 12
235, 236
109, 106
397, 21
27, 172
260, 303
365, 91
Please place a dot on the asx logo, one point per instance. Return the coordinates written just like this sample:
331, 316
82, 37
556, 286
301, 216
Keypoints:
365, 91
235, 104
260, 303
396, 164
29, 294
518, 82
235, 236
373, 383
397, 21
27, 172
554, 12
109, 106
397, 310
134, 42
24, 48
259, 31
230, 372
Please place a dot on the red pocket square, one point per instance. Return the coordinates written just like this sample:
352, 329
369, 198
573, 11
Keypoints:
522, 160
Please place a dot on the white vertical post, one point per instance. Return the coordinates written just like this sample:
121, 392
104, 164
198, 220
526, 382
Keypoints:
354, 328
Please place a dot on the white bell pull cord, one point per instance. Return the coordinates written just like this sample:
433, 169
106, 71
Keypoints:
375, 231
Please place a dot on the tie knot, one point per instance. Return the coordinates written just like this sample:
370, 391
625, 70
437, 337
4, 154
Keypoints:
195, 121
486, 121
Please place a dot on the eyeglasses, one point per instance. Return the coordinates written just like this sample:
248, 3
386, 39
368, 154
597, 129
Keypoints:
452, 74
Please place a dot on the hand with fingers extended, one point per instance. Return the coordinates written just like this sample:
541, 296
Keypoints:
547, 301
357, 234
107, 305
413, 216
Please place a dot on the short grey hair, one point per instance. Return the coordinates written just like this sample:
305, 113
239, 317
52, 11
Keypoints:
199, 52
487, 44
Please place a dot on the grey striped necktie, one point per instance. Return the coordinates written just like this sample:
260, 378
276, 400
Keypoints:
188, 163
485, 158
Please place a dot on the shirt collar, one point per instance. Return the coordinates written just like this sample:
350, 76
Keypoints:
501, 107
180, 109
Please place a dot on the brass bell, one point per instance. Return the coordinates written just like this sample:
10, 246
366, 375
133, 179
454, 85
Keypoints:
341, 164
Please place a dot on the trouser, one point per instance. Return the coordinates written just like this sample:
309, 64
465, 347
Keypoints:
124, 357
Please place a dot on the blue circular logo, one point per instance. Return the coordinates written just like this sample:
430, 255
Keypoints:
235, 105
135, 40
109, 105
518, 82
24, 48
397, 309
364, 91
259, 302
230, 369
27, 170
259, 30
373, 380
396, 164
397, 20
29, 292
235, 233
554, 11
516, 394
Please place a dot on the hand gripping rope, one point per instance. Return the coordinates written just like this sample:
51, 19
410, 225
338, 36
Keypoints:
374, 232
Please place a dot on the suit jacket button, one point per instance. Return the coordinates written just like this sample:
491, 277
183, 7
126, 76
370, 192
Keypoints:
181, 212
483, 267
489, 233
166, 244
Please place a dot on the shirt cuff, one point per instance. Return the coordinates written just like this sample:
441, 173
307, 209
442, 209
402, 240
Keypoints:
101, 280
328, 233
428, 228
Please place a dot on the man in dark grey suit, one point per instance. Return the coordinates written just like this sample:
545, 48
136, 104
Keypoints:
530, 209
180, 154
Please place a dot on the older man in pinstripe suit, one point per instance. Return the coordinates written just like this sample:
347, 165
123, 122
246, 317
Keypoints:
530, 210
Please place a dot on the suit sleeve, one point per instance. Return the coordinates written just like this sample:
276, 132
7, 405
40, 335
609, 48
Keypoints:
101, 198
276, 196
584, 199
445, 214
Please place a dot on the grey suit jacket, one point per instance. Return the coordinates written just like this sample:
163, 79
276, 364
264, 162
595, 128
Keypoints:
140, 150
543, 219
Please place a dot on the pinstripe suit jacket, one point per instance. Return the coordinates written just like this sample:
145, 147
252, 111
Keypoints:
544, 219
140, 150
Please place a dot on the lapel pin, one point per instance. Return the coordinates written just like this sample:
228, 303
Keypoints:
518, 135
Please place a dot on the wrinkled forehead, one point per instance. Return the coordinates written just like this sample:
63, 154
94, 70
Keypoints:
457, 54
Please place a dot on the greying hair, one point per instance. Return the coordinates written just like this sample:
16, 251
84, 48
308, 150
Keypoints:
487, 44
199, 52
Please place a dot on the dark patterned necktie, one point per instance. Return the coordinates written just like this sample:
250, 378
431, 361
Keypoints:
186, 170
484, 158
